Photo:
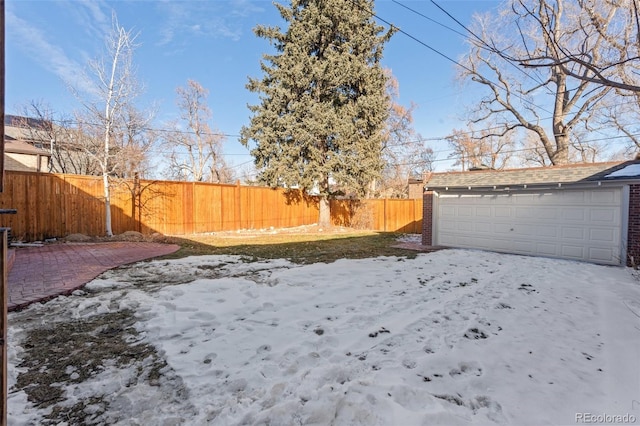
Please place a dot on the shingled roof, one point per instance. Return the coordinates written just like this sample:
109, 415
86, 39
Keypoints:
22, 147
531, 177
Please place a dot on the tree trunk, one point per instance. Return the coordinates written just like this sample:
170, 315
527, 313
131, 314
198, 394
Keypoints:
325, 211
107, 204
560, 155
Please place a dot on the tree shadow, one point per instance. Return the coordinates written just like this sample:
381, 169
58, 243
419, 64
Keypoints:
299, 248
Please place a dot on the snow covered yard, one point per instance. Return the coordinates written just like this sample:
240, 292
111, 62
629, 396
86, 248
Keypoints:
451, 337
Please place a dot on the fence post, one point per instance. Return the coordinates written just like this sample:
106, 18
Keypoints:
384, 216
238, 205
4, 264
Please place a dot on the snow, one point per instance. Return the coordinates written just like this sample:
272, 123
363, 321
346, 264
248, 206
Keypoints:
632, 170
453, 337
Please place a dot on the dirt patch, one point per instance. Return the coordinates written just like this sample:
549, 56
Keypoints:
70, 352
131, 236
78, 238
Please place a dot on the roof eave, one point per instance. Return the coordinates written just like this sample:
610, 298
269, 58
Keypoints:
533, 187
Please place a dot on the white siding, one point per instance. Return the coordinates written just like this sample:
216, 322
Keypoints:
574, 224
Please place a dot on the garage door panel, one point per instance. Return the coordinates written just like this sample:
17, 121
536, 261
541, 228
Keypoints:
547, 231
545, 249
573, 233
608, 216
447, 211
523, 246
484, 228
447, 226
606, 197
464, 226
601, 254
502, 228
572, 251
478, 240
524, 212
573, 213
500, 244
500, 211
525, 229
574, 224
546, 213
465, 211
606, 235
574, 197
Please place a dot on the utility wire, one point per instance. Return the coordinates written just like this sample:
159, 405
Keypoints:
458, 156
419, 140
417, 40
429, 19
537, 80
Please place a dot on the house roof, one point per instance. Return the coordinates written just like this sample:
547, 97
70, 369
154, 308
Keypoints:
28, 129
535, 177
21, 147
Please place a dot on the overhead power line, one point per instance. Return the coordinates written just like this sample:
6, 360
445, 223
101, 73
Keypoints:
482, 42
428, 18
147, 128
433, 49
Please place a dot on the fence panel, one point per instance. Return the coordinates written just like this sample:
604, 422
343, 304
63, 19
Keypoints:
400, 216
53, 205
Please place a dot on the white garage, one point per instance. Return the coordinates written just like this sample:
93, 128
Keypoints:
579, 212
575, 224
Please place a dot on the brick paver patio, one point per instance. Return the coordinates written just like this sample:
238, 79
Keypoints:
41, 273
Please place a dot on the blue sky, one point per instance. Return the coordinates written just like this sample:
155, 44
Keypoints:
48, 44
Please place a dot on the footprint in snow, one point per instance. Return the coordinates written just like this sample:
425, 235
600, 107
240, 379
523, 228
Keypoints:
209, 358
263, 349
527, 288
466, 369
475, 334
493, 408
376, 333
409, 364
503, 305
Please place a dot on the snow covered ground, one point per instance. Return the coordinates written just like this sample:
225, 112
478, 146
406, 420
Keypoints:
451, 337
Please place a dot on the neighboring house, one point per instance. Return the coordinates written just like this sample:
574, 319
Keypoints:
23, 152
24, 157
588, 212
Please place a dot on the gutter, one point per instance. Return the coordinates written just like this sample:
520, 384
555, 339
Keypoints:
548, 186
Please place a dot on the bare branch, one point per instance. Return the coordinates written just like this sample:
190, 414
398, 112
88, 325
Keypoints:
197, 152
547, 33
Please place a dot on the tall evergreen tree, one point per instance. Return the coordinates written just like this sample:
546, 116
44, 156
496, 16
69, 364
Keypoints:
323, 103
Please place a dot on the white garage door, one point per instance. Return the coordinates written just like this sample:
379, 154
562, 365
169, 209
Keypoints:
572, 224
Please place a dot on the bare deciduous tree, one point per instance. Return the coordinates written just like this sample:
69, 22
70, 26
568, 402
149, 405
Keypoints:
134, 139
603, 47
481, 149
623, 115
196, 150
527, 100
532, 152
403, 152
60, 137
108, 111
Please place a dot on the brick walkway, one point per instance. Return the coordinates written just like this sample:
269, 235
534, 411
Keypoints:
41, 273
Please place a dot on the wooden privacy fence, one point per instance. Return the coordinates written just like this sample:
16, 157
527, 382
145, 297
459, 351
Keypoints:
56, 205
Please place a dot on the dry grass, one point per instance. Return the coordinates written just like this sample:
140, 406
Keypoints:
302, 245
